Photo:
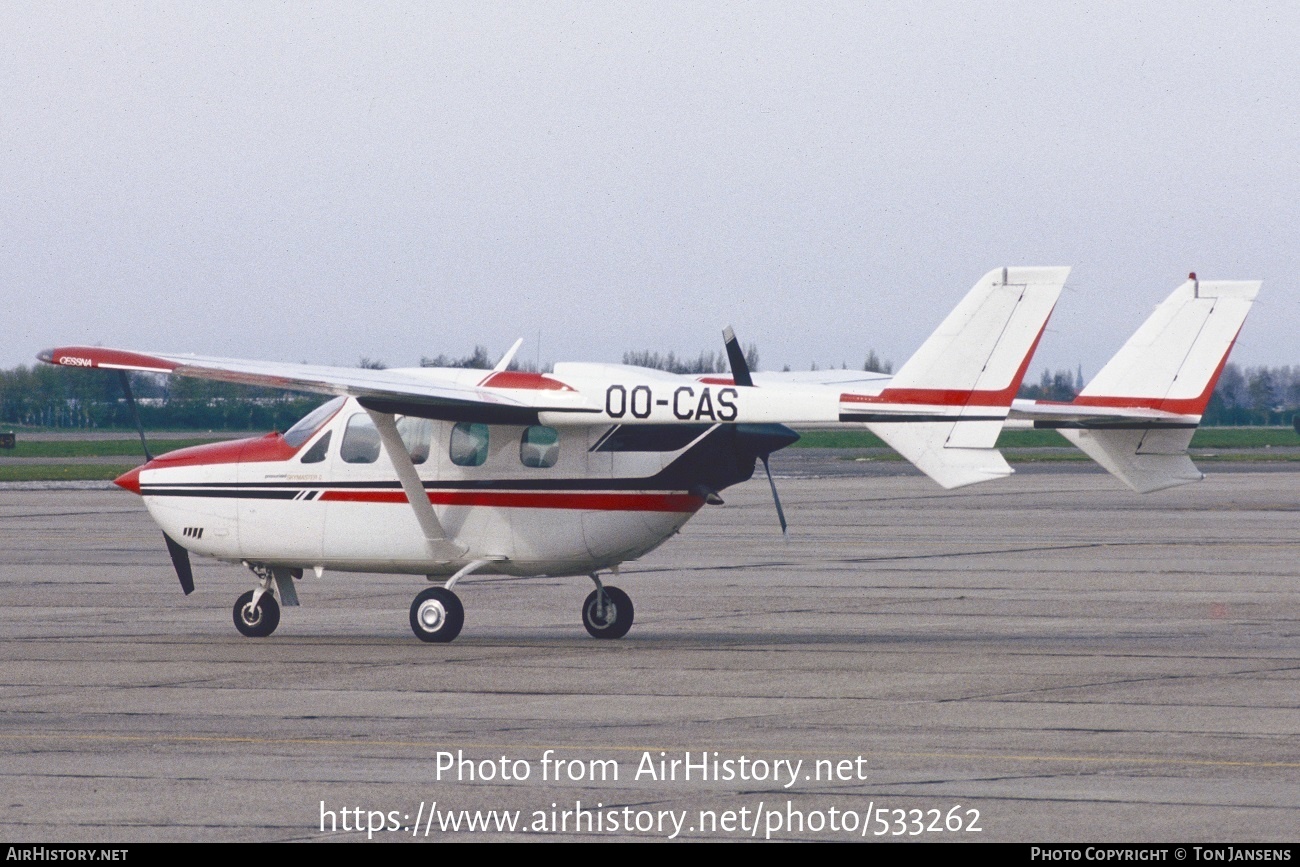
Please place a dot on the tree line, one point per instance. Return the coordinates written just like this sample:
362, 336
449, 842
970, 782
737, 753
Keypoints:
61, 397
1242, 396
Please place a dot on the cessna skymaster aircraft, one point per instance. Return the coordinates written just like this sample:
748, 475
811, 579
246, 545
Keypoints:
450, 472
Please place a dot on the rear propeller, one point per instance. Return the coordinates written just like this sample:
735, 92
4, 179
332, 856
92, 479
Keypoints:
180, 557
760, 439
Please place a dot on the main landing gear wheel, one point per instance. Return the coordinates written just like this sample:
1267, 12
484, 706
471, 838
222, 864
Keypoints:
437, 615
612, 620
256, 622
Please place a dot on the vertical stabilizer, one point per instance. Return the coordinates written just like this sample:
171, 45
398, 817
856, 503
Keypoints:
945, 408
1168, 369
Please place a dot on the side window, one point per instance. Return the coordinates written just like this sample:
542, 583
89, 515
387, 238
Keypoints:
317, 453
469, 444
360, 441
416, 435
539, 447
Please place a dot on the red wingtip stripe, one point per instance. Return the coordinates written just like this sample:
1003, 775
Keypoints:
97, 356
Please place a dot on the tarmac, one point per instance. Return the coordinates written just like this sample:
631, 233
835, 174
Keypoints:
1048, 658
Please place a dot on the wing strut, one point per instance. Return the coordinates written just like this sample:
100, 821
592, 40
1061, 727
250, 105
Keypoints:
440, 547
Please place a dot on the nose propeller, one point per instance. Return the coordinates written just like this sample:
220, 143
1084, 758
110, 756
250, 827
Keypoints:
180, 557
760, 439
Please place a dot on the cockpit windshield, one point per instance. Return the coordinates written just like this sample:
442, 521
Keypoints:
311, 422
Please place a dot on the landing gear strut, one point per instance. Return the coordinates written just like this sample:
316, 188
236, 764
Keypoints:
607, 613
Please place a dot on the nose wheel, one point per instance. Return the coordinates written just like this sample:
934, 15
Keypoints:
437, 615
256, 619
607, 617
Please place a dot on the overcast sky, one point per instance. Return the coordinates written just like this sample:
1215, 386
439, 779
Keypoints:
321, 182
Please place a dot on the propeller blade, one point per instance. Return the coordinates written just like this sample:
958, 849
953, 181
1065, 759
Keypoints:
776, 498
135, 414
181, 560
739, 366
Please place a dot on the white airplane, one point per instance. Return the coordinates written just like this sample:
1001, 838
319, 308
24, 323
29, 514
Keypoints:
451, 472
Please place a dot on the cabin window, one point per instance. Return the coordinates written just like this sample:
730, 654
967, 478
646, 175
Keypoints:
360, 441
311, 422
539, 447
416, 434
469, 444
316, 453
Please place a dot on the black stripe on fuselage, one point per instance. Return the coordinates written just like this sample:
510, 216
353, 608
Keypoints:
1115, 425
204, 490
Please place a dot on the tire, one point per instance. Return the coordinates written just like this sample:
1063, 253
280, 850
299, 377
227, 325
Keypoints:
618, 614
437, 615
256, 622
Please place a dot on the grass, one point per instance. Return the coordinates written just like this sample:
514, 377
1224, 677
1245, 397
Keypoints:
1244, 437
96, 448
1205, 438
62, 472
1021, 446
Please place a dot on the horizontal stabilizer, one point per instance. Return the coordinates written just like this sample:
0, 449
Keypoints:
925, 445
1145, 460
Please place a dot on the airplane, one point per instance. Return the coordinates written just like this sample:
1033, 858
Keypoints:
447, 473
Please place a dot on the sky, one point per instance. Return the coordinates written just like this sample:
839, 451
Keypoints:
324, 182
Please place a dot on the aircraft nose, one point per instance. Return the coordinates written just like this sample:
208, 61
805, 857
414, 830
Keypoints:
130, 480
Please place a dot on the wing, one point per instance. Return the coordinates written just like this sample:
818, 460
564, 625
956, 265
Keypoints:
942, 411
491, 397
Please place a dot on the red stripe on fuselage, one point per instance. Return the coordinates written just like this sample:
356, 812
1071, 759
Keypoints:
604, 501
